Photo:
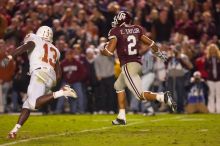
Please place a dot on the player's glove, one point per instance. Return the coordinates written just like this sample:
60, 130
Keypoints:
5, 61
161, 55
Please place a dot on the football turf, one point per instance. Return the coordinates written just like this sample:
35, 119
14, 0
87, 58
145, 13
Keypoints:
96, 130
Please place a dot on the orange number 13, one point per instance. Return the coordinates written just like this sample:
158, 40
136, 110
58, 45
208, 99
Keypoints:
46, 59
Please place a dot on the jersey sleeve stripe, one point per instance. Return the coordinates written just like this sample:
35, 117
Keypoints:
111, 37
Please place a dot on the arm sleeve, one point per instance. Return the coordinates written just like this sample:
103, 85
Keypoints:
29, 37
142, 31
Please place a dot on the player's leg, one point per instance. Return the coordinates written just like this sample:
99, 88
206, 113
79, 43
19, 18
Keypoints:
119, 87
121, 118
46, 78
133, 82
33, 103
44, 99
37, 99
35, 89
132, 79
22, 118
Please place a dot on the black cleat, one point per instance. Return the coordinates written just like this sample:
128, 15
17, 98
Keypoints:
168, 99
119, 122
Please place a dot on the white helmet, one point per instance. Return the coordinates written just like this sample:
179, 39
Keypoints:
45, 33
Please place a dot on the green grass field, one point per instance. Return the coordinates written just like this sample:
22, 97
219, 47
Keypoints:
96, 130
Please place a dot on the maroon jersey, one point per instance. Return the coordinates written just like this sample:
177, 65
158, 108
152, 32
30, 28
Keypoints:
128, 42
73, 71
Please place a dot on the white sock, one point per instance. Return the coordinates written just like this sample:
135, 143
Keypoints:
121, 114
150, 109
58, 94
16, 128
160, 97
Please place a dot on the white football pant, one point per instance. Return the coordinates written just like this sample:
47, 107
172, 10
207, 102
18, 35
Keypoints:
42, 80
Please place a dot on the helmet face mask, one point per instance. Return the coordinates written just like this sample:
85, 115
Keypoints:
45, 33
121, 18
115, 22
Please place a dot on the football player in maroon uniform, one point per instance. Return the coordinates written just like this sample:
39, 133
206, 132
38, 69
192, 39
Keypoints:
126, 39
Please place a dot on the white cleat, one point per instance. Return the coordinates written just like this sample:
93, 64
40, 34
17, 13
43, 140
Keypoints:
118, 121
168, 99
68, 92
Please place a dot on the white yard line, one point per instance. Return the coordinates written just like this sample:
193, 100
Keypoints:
158, 120
144, 130
204, 130
66, 133
191, 119
83, 131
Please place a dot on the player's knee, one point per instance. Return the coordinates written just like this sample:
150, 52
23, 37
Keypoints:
29, 105
32, 105
116, 86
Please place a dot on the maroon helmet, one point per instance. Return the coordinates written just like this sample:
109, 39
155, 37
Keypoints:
122, 17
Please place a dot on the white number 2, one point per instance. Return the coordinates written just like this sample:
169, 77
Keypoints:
132, 42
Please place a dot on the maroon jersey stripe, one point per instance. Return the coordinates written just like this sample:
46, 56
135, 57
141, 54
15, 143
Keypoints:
131, 81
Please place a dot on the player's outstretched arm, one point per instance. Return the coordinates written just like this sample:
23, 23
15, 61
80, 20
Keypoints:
155, 49
21, 49
109, 47
150, 44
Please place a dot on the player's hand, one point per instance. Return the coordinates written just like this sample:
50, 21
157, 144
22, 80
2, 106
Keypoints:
102, 47
162, 56
5, 61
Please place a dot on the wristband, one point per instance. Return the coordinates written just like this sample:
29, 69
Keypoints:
108, 51
152, 43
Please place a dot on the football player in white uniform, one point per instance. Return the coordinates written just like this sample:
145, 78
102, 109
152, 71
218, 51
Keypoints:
44, 71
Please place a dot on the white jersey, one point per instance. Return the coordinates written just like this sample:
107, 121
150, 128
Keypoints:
44, 55
42, 62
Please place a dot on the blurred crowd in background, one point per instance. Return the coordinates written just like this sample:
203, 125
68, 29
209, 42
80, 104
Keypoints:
187, 30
